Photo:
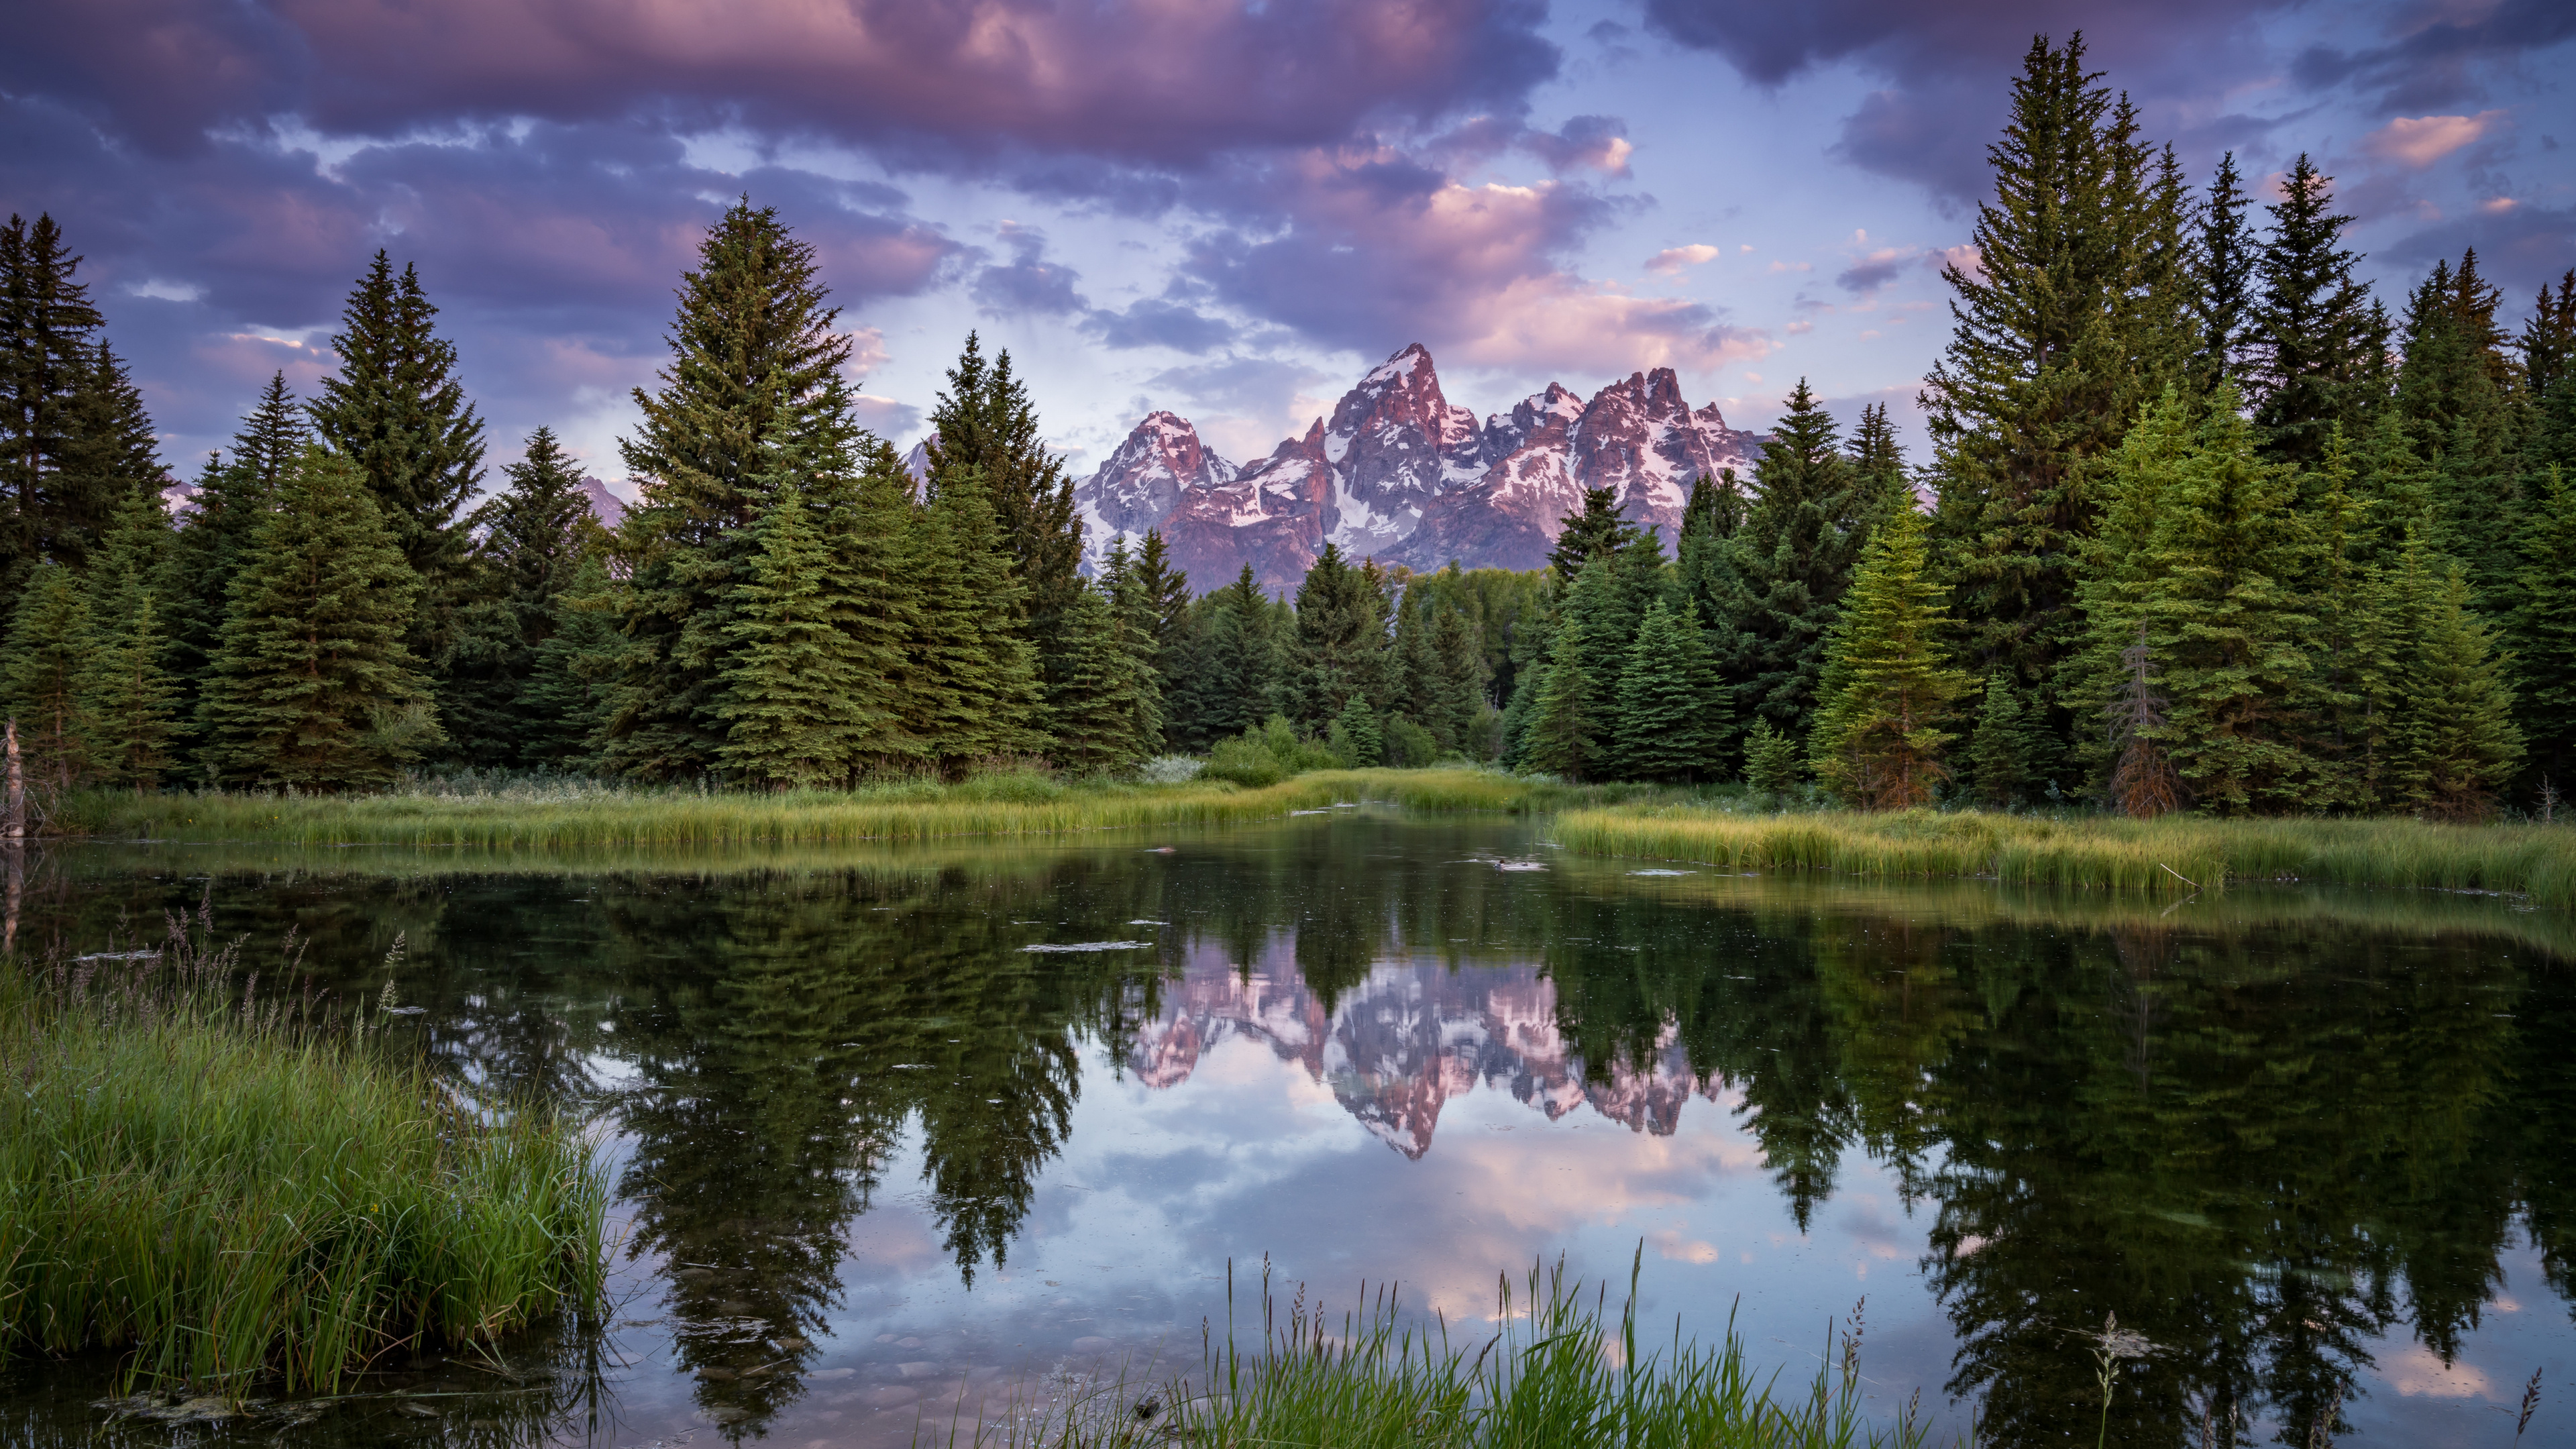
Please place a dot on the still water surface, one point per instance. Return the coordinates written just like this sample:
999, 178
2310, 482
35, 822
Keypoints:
880, 1150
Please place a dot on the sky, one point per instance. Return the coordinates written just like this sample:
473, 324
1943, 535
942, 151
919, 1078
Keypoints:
1227, 208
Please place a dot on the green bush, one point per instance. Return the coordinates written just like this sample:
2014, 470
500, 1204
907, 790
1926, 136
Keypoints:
1267, 755
1408, 745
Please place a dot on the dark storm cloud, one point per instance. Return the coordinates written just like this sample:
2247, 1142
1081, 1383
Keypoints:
2434, 61
1160, 322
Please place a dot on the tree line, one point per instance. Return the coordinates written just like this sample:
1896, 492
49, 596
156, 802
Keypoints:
2204, 526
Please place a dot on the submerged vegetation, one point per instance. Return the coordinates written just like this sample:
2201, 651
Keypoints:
1555, 1371
231, 1191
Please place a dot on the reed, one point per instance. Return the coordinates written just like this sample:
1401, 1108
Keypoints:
575, 814
2169, 856
231, 1192
1553, 1369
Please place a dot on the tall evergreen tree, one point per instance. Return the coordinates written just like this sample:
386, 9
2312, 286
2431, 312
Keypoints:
1598, 529
113, 452
799, 708
1106, 709
2224, 300
973, 691
1355, 738
2548, 342
2455, 416
1457, 709
42, 671
985, 422
533, 536
312, 685
132, 700
1887, 688
233, 495
1233, 685
1572, 722
563, 706
397, 410
755, 367
1790, 564
2542, 628
1340, 647
2000, 751
2076, 311
48, 510
1674, 722
2455, 745
2314, 355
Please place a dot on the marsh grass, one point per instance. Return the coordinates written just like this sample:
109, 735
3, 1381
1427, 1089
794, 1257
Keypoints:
543, 814
2170, 856
232, 1191
1554, 1368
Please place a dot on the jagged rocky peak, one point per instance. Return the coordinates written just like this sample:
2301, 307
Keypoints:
1395, 442
1144, 480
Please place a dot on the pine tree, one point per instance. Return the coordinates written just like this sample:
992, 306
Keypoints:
397, 411
2548, 341
755, 367
1770, 760
867, 527
42, 672
47, 323
1790, 563
1341, 641
2542, 628
1355, 739
1572, 723
1415, 688
113, 452
2075, 314
2226, 623
563, 705
131, 699
2456, 744
1235, 688
2314, 353
1598, 529
533, 535
1458, 719
2000, 750
799, 710
2143, 783
2455, 417
985, 423
2224, 299
1887, 689
312, 685
233, 495
973, 692
1673, 721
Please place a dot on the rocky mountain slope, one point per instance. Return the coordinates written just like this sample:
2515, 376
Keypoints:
1400, 474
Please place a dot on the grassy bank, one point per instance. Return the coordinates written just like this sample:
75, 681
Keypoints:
2172, 856
1553, 1369
208, 1180
579, 815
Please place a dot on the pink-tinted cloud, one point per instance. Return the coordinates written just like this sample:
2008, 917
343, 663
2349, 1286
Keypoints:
2422, 140
1673, 261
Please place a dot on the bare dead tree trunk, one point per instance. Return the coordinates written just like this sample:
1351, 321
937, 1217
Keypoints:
13, 816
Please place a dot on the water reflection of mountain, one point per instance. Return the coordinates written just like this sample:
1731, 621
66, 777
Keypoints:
1410, 1036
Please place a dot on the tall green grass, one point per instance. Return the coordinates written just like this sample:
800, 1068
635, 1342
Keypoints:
1553, 1370
2170, 856
228, 1190
576, 814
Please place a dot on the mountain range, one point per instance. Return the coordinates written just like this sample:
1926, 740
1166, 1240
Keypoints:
1401, 475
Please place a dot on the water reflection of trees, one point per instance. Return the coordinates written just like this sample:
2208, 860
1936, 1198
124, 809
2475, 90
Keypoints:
2262, 1145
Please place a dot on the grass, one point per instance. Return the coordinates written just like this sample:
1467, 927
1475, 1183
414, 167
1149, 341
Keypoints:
2176, 855
574, 814
1555, 1370
231, 1193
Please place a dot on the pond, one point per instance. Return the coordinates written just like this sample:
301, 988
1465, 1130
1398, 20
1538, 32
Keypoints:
896, 1131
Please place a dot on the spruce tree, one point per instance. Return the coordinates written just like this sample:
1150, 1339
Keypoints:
562, 707
1999, 751
2542, 628
397, 411
755, 367
533, 535
2455, 745
2455, 416
132, 700
984, 422
1355, 739
1572, 724
1790, 563
867, 525
2314, 353
1770, 759
798, 708
1673, 722
1459, 712
2076, 312
233, 495
972, 693
2224, 300
2548, 342
312, 684
1237, 687
1340, 646
42, 671
1598, 529
113, 452
1887, 687
48, 510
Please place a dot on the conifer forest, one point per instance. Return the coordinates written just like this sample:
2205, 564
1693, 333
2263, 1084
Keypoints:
2206, 524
